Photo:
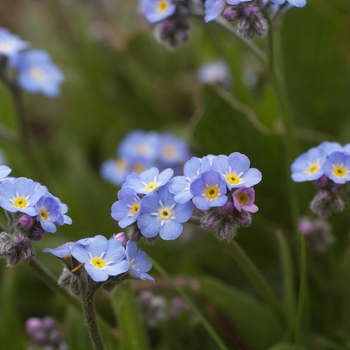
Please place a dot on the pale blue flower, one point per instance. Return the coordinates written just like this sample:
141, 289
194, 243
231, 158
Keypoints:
127, 209
243, 199
308, 166
157, 10
162, 215
101, 257
209, 190
4, 172
337, 167
36, 73
139, 264
10, 45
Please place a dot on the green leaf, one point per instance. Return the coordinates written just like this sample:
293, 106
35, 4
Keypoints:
133, 336
253, 321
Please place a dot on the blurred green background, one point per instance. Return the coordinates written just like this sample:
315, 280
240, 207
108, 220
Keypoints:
118, 78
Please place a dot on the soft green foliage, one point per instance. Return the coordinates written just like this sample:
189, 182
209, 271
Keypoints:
118, 78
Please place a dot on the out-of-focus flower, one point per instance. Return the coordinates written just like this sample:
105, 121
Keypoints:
157, 10
214, 72
37, 73
10, 44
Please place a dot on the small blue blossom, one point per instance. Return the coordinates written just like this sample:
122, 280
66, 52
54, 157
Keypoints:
209, 190
139, 264
21, 195
101, 257
66, 248
308, 166
127, 209
330, 147
148, 180
10, 45
36, 73
162, 215
157, 10
48, 209
337, 167
115, 170
235, 170
172, 150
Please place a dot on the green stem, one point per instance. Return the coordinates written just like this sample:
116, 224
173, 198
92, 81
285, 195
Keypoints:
51, 281
88, 290
257, 279
200, 316
302, 295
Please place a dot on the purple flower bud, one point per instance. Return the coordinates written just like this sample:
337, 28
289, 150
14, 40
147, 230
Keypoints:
121, 237
20, 238
25, 221
230, 14
322, 181
48, 323
36, 234
33, 324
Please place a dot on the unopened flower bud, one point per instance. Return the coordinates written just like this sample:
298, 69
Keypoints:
121, 237
25, 221
230, 14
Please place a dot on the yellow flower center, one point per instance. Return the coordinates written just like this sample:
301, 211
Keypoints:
169, 152
20, 202
135, 208
211, 192
162, 5
4, 48
165, 213
313, 168
151, 186
339, 171
44, 214
98, 262
242, 198
121, 164
38, 74
138, 168
233, 179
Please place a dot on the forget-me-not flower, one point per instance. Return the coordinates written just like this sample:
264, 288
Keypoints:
308, 166
243, 199
139, 264
337, 167
101, 258
127, 209
162, 215
235, 170
21, 195
157, 10
37, 73
10, 44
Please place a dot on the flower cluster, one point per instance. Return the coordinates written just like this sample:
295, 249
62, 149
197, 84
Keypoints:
141, 150
220, 187
31, 210
100, 260
329, 166
171, 16
44, 333
35, 71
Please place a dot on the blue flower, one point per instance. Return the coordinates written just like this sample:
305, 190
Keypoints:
162, 215
21, 195
115, 170
36, 73
209, 190
10, 44
102, 258
157, 10
66, 248
308, 166
148, 180
330, 147
127, 209
172, 150
337, 167
235, 170
139, 264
